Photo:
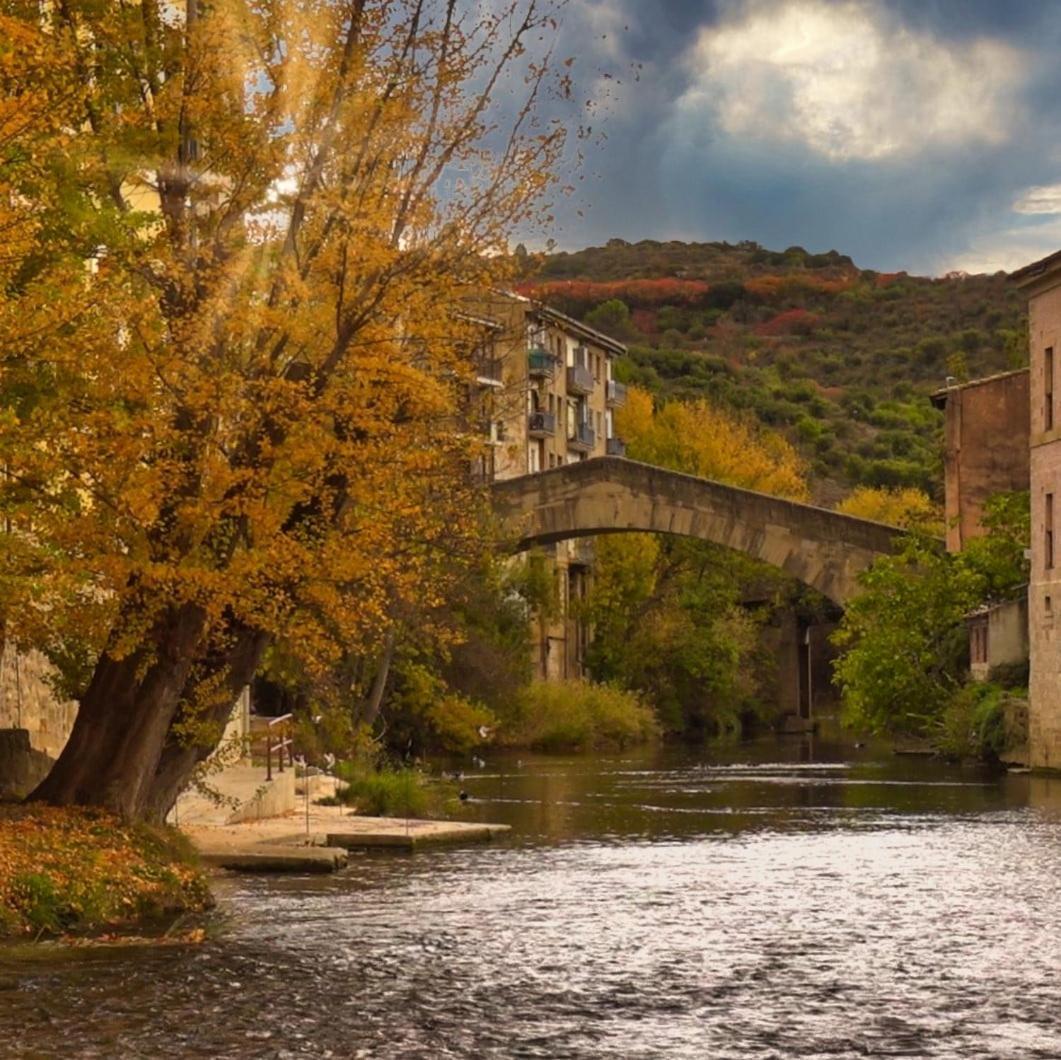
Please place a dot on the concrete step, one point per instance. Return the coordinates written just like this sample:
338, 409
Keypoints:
276, 858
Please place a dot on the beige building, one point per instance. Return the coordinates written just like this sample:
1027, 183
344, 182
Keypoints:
1042, 282
548, 398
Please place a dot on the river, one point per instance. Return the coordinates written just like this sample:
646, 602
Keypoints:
781, 899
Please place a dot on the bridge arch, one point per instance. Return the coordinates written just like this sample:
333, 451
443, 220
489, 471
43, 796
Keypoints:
827, 550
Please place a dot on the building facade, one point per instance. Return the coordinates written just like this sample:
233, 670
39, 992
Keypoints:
547, 397
986, 434
1042, 283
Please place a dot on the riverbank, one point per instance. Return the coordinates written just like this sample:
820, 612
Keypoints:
76, 871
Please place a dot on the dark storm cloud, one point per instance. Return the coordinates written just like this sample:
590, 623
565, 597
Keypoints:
913, 163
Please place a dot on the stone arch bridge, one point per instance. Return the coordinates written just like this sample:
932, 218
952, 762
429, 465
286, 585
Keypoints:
824, 549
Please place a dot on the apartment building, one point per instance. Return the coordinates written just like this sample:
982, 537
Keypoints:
1042, 282
548, 396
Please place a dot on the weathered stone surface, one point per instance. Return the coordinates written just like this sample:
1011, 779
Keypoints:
22, 767
28, 702
824, 549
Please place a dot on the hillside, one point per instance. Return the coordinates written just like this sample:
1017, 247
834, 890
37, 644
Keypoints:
841, 358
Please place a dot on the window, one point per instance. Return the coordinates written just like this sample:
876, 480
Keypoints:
1048, 542
1048, 389
1048, 606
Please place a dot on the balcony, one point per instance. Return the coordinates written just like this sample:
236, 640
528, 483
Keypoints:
541, 364
584, 438
616, 393
579, 380
541, 424
488, 372
615, 447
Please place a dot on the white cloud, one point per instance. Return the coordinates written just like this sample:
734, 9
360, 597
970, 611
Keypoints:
1043, 199
848, 81
1006, 248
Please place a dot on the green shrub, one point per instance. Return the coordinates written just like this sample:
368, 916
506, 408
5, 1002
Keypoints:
387, 792
1011, 676
576, 715
973, 722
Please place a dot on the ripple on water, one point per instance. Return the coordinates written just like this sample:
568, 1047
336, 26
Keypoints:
923, 928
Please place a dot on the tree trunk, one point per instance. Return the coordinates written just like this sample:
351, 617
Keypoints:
114, 748
379, 682
182, 752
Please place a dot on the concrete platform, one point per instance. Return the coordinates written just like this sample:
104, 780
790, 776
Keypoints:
409, 835
269, 857
319, 842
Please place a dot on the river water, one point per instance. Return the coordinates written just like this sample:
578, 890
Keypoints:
774, 900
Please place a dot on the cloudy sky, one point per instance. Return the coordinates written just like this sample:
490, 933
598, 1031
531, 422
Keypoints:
910, 134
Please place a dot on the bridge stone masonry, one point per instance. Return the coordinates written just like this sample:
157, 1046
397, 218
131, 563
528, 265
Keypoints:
824, 549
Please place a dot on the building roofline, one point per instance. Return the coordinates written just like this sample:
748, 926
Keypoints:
583, 329
1027, 275
939, 397
610, 344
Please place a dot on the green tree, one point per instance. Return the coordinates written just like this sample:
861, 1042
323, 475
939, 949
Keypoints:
903, 638
613, 318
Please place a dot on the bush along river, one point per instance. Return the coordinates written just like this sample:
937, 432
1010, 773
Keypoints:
787, 898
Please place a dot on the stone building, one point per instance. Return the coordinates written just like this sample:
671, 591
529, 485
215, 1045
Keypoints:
1042, 282
986, 432
547, 397
986, 435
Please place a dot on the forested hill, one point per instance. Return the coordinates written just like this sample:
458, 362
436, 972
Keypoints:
841, 358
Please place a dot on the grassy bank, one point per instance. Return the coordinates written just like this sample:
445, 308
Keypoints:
578, 716
81, 871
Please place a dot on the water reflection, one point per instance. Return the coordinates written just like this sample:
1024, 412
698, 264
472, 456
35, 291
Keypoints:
783, 899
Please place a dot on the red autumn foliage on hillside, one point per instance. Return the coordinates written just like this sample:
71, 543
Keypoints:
579, 295
790, 322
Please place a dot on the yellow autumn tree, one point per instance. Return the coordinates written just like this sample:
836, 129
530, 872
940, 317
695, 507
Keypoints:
906, 507
230, 357
700, 439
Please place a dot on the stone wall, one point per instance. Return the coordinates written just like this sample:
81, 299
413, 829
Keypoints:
27, 702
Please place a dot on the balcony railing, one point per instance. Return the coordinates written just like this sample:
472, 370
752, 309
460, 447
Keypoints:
584, 438
488, 371
615, 447
616, 393
541, 424
579, 380
541, 363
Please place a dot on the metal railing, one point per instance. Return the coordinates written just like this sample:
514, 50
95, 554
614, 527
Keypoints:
616, 392
541, 423
615, 447
540, 362
579, 379
584, 437
488, 371
277, 741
